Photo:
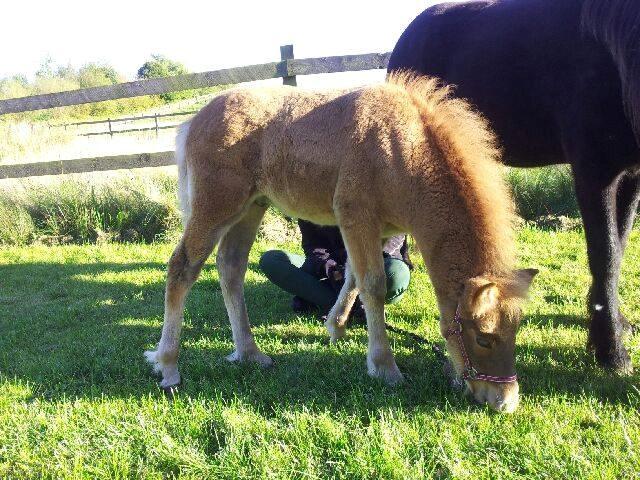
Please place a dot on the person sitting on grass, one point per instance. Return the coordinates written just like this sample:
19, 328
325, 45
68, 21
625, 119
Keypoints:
315, 278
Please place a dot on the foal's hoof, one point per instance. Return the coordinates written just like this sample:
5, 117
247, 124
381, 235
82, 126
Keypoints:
171, 392
170, 375
255, 356
336, 330
389, 374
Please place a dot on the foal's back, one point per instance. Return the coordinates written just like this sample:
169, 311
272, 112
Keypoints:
303, 149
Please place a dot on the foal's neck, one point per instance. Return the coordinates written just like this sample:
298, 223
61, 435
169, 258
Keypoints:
468, 246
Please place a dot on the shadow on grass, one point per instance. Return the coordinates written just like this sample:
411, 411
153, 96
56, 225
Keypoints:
555, 321
79, 330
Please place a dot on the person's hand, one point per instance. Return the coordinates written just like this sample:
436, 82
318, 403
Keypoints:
338, 276
335, 275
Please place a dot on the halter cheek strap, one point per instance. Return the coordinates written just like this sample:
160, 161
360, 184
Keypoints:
470, 373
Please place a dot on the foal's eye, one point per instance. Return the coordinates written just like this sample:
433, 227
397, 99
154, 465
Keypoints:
483, 342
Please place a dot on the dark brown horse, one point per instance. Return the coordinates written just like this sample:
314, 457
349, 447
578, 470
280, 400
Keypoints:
559, 81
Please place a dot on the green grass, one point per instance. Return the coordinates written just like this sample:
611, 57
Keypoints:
78, 401
543, 191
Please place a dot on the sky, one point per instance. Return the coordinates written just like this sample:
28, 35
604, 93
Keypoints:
203, 35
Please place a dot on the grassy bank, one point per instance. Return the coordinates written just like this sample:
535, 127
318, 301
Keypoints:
78, 401
142, 208
131, 209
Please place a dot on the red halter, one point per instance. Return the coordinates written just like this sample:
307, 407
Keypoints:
470, 373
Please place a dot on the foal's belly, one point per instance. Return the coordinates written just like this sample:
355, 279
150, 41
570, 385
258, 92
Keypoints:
303, 198
320, 213
313, 214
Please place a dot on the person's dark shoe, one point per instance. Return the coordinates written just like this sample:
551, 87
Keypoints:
300, 305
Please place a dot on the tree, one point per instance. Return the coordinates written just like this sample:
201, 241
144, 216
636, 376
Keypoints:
93, 75
161, 66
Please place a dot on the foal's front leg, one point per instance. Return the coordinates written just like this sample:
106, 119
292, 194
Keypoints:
339, 314
367, 264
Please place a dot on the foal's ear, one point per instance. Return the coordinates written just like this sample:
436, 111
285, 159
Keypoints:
483, 298
522, 280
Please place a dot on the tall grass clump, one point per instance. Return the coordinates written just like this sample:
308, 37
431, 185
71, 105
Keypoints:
126, 210
544, 191
74, 211
16, 225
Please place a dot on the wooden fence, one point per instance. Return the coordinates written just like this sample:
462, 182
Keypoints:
110, 122
287, 69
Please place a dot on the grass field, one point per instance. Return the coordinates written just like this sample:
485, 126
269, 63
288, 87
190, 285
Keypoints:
78, 401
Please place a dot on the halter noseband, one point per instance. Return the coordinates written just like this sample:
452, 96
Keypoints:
470, 373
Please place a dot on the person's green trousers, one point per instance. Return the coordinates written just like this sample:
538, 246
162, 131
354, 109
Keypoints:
283, 269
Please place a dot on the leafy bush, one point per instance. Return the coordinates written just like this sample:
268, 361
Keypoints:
57, 78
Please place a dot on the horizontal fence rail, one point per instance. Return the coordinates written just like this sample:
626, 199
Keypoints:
284, 69
130, 130
125, 119
84, 165
111, 122
287, 69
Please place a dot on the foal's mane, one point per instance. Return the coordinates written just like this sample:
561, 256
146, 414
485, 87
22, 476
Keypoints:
473, 158
616, 23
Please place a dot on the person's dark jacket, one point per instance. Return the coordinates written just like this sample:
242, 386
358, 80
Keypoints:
326, 255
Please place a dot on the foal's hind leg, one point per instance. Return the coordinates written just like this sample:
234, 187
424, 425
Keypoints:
231, 261
365, 257
184, 267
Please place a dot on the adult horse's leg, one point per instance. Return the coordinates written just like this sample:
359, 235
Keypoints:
197, 243
362, 241
231, 260
627, 205
596, 192
339, 313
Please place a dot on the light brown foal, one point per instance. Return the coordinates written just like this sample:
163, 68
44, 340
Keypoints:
397, 157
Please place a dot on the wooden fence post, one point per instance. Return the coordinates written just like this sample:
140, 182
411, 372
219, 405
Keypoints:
286, 53
110, 130
155, 117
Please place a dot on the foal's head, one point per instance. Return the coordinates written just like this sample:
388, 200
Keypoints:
481, 339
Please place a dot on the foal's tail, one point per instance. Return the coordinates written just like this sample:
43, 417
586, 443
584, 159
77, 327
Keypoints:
184, 187
616, 23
